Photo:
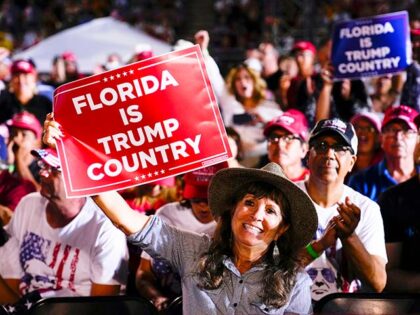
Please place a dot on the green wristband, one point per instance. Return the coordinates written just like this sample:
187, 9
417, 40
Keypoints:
11, 168
311, 251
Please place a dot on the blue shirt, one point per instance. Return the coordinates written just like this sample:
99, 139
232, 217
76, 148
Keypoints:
238, 294
372, 181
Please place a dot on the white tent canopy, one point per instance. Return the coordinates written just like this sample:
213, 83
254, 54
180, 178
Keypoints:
91, 43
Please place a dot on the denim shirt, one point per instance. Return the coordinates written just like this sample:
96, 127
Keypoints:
239, 293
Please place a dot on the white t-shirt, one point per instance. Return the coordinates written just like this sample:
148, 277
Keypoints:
254, 144
62, 261
326, 271
177, 215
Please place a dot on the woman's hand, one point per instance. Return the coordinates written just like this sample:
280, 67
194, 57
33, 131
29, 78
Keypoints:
202, 38
51, 131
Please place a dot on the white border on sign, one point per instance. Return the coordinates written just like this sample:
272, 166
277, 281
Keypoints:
212, 158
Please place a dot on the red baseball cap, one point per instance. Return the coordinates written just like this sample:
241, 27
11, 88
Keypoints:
293, 121
304, 45
68, 56
371, 117
22, 66
197, 182
415, 31
146, 54
400, 112
25, 120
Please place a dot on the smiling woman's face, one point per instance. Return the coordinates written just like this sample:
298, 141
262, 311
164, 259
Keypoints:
257, 222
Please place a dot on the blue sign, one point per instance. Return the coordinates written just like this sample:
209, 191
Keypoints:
371, 46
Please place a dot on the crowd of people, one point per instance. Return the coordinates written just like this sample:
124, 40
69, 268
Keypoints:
25, 23
319, 196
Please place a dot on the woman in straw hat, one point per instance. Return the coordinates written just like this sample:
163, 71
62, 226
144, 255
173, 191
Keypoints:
250, 266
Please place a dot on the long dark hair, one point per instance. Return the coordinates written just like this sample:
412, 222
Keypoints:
280, 268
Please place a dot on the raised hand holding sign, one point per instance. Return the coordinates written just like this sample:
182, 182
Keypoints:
139, 123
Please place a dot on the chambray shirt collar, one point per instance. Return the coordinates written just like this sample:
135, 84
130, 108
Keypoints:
227, 261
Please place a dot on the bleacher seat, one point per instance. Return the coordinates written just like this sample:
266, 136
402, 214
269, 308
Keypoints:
369, 304
91, 305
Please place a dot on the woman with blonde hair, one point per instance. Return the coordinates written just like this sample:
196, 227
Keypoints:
246, 107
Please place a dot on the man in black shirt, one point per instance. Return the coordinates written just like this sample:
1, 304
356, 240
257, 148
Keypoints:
400, 207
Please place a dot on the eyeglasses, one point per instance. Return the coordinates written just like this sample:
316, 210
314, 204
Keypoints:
391, 132
326, 273
44, 166
367, 129
323, 147
275, 139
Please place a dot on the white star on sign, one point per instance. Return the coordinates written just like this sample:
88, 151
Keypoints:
162, 171
111, 77
11, 308
28, 304
118, 75
143, 176
131, 71
150, 175
125, 73
156, 173
105, 79
136, 178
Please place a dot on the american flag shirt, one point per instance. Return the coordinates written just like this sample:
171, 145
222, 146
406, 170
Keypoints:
62, 261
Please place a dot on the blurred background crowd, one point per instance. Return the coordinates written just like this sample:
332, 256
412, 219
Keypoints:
235, 25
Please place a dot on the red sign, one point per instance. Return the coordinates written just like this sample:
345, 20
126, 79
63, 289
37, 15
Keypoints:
143, 122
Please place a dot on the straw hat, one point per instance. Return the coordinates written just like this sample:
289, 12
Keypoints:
303, 217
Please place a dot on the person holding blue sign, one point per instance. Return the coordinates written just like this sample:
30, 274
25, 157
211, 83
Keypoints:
341, 99
371, 46
305, 87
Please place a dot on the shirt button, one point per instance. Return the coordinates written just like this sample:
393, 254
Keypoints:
241, 281
235, 304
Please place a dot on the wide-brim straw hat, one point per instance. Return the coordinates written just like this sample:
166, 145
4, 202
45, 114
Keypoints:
303, 217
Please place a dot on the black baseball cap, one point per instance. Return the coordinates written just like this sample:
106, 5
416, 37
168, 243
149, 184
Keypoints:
336, 126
